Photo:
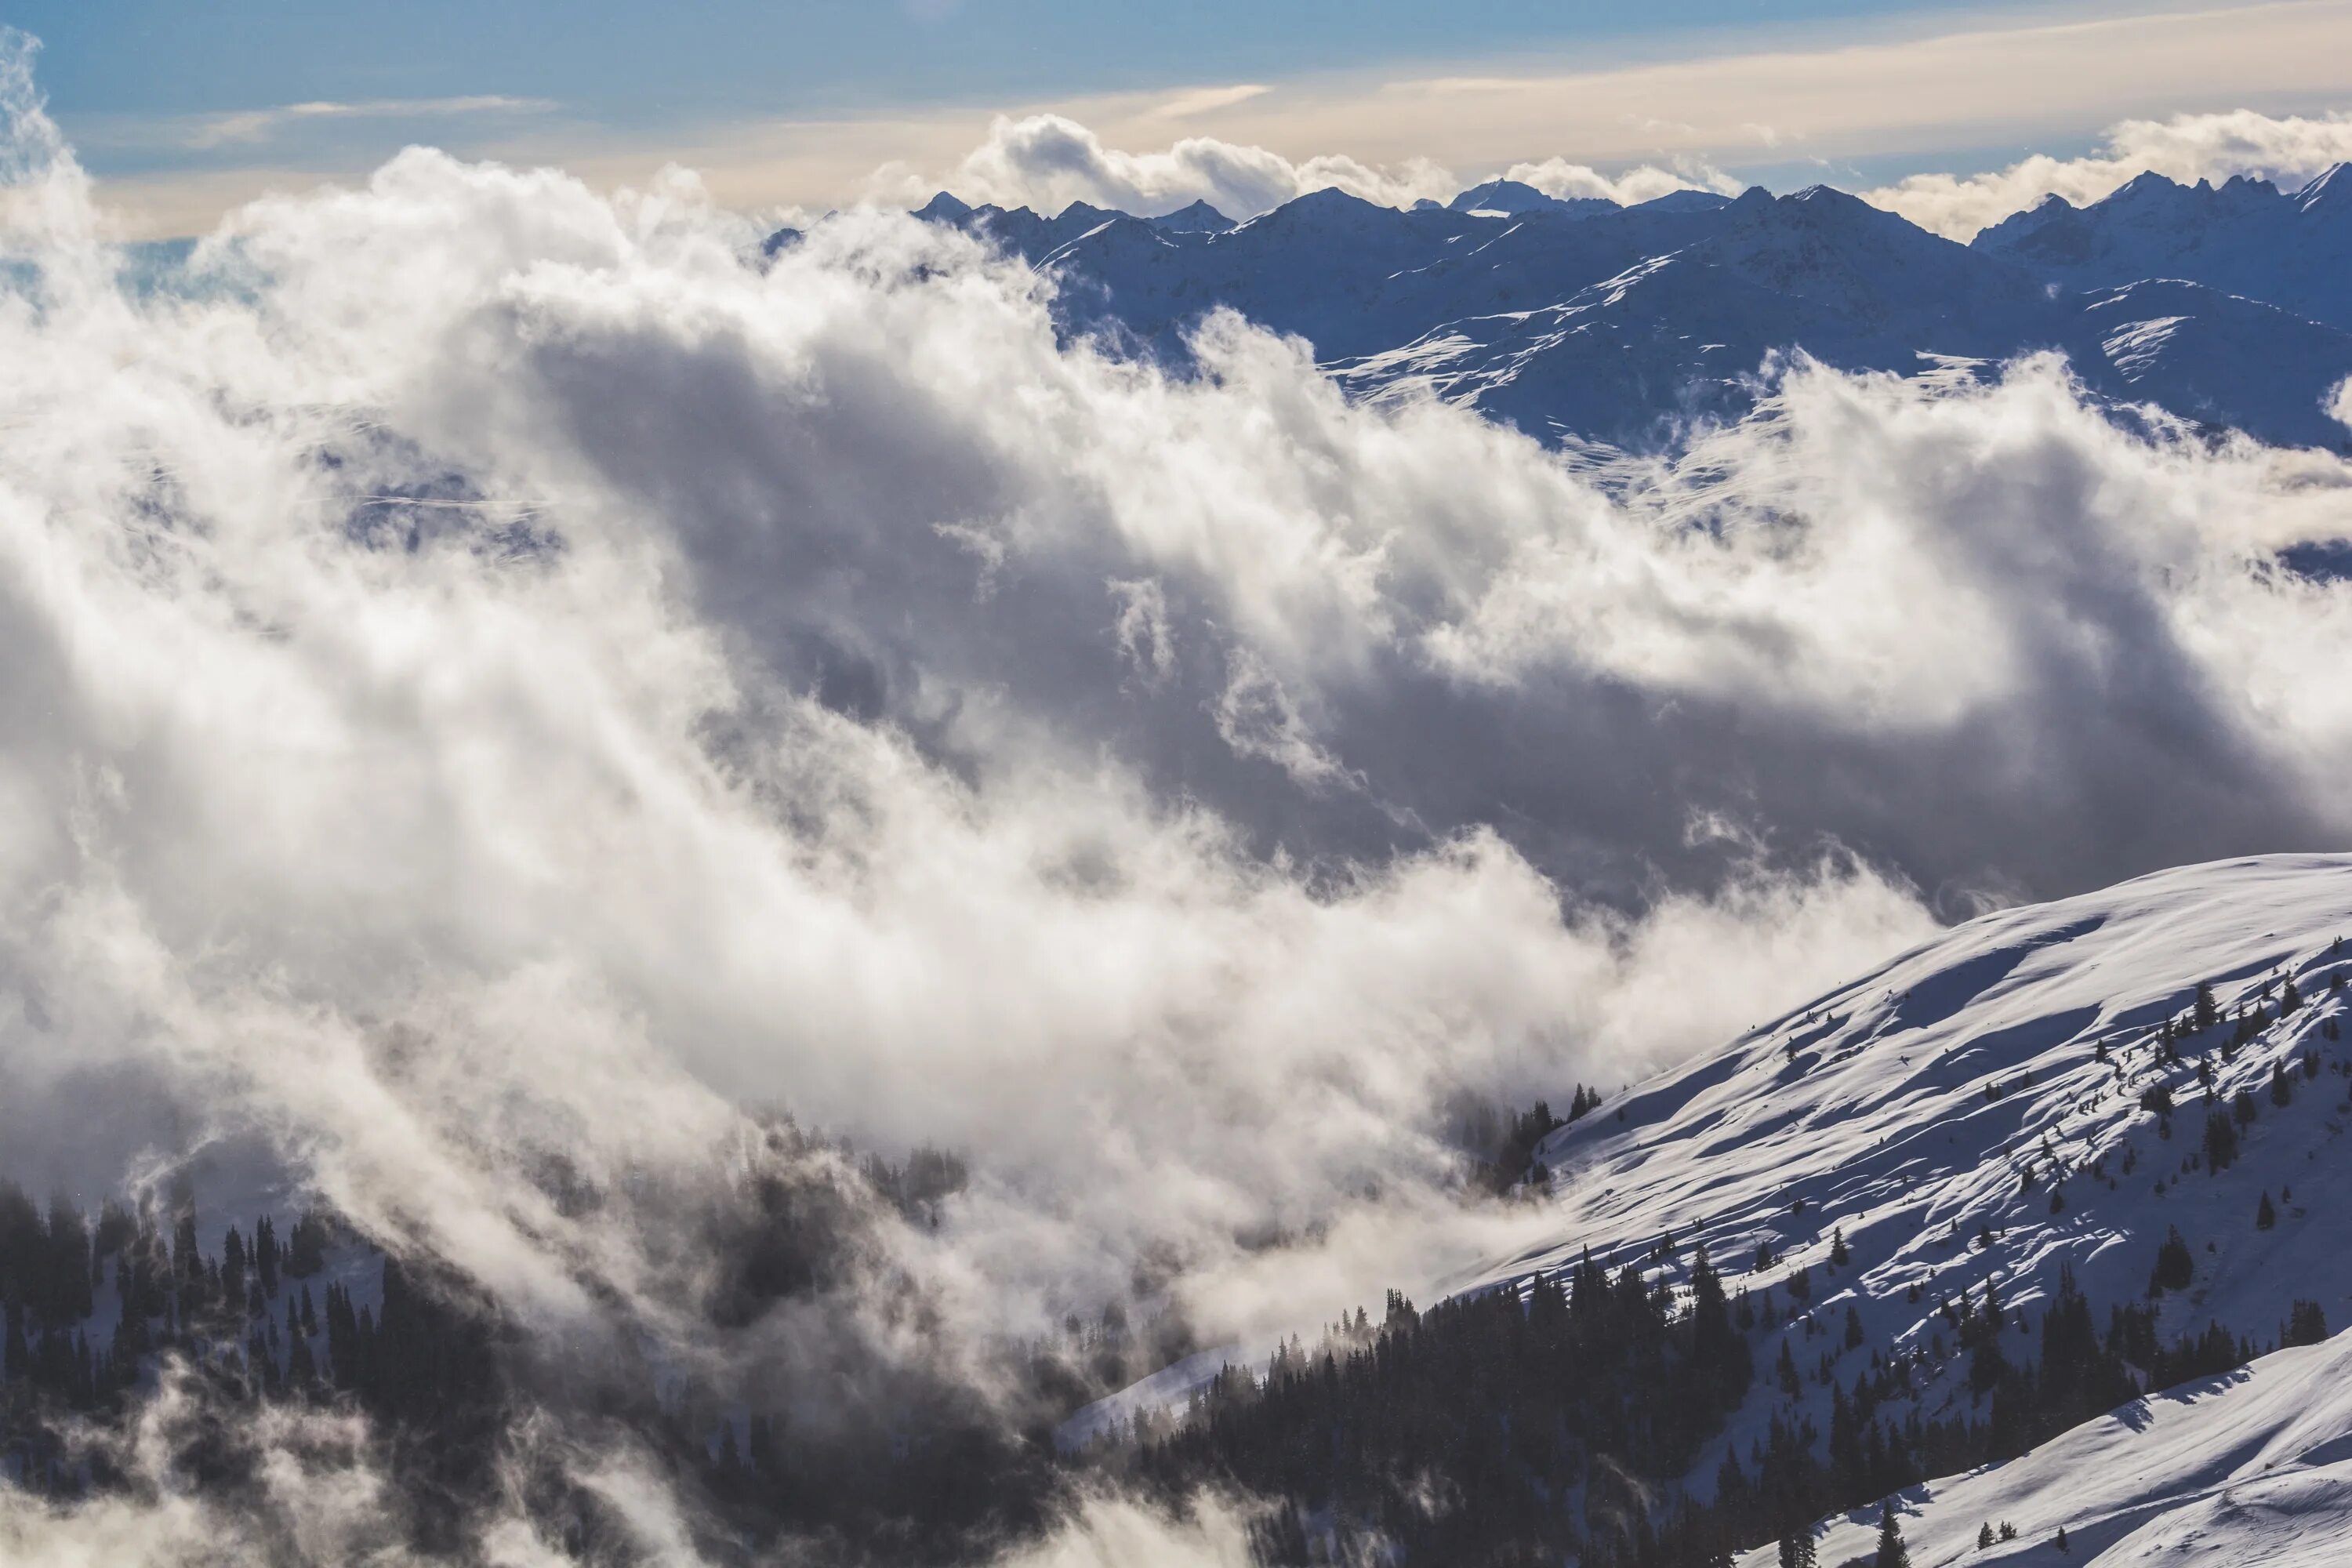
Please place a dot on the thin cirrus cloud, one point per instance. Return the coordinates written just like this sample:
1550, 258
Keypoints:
255, 126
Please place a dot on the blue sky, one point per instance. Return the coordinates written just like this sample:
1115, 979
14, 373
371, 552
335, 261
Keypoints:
183, 108
639, 63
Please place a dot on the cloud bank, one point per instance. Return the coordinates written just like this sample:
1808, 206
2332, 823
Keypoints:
2287, 151
1559, 177
1045, 162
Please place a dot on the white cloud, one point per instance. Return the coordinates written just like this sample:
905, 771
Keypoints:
1558, 177
1116, 1533
1209, 100
2187, 147
1047, 160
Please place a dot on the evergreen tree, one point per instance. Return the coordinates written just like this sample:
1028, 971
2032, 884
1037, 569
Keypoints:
301, 1366
1719, 1353
265, 1255
2175, 1264
232, 1271
2265, 1217
305, 1246
2306, 1324
2207, 1013
2222, 1139
1797, 1549
1892, 1552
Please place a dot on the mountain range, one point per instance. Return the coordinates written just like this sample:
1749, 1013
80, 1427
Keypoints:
2229, 306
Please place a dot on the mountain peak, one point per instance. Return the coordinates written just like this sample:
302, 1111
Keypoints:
1330, 199
1516, 197
1819, 205
1499, 195
2331, 192
943, 209
2142, 187
1689, 200
1826, 196
1198, 218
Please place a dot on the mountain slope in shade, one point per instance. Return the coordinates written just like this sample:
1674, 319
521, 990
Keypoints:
1589, 321
1975, 1112
1680, 337
1198, 218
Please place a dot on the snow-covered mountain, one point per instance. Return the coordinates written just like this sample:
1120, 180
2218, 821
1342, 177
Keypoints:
1986, 1111
1584, 320
2246, 237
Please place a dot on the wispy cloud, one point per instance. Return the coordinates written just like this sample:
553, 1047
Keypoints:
248, 126
1209, 100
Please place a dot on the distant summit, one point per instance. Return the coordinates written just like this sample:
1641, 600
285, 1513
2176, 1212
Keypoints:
1198, 218
1683, 202
943, 209
1513, 197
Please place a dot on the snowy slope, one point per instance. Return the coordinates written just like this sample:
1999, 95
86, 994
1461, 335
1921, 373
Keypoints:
2254, 1466
1903, 1110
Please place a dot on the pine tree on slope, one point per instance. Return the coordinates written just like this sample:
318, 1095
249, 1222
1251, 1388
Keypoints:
1892, 1552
